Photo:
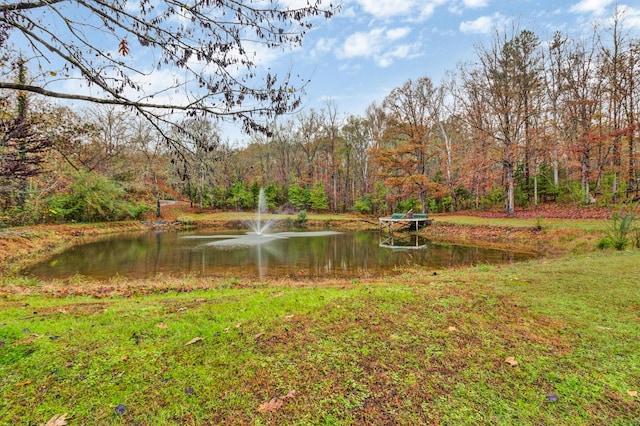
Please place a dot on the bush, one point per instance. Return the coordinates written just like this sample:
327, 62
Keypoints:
318, 198
363, 205
301, 219
621, 225
93, 198
298, 196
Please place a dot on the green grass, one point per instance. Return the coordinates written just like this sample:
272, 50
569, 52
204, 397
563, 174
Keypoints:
550, 223
416, 349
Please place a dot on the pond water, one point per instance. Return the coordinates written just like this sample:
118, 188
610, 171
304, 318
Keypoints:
242, 254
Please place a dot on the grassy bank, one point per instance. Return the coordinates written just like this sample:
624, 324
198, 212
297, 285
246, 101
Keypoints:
552, 341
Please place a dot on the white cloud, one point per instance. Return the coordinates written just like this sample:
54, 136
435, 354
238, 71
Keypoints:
597, 7
361, 44
379, 45
398, 33
323, 46
398, 52
387, 9
483, 25
630, 16
475, 4
414, 9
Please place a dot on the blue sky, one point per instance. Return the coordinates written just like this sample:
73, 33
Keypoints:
373, 46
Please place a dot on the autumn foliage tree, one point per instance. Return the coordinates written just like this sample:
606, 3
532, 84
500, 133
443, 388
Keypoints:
405, 158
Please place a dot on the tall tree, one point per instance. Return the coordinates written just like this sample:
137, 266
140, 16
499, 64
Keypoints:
582, 98
631, 106
113, 46
502, 85
405, 164
358, 141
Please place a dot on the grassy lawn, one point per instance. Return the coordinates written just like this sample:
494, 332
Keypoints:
548, 223
550, 341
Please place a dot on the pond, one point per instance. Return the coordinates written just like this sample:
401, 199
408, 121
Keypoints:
241, 254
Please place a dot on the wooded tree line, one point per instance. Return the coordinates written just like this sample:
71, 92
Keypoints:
525, 121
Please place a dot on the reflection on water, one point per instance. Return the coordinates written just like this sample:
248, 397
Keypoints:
347, 254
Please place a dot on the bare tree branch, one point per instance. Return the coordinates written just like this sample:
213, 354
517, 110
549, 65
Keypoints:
114, 44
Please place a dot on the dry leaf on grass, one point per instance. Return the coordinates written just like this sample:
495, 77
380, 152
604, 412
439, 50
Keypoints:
275, 403
452, 328
29, 339
162, 325
258, 336
633, 393
511, 361
194, 340
25, 383
270, 406
57, 420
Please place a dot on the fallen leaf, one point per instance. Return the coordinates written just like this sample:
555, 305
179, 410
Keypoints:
226, 330
32, 338
633, 393
162, 325
57, 420
258, 336
26, 382
290, 394
452, 328
270, 406
288, 316
124, 358
275, 403
511, 361
194, 340
238, 325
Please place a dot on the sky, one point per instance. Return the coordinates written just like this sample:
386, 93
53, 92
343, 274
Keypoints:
374, 46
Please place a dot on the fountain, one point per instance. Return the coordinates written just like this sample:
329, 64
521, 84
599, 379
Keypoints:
257, 225
259, 234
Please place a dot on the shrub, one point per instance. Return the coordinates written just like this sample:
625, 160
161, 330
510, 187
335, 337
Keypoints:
363, 205
621, 225
318, 198
298, 196
301, 219
93, 198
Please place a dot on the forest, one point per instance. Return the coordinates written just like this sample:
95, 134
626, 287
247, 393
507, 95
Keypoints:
525, 121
